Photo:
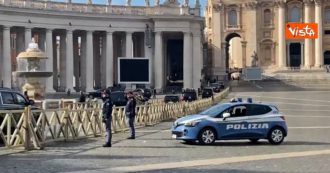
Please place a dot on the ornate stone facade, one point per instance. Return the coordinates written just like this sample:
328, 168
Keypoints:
260, 25
83, 41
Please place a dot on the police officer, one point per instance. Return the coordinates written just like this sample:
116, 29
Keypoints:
130, 113
82, 97
107, 116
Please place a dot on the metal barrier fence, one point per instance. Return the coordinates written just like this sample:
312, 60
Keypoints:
34, 128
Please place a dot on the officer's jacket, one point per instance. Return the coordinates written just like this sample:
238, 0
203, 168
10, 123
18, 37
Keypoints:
130, 107
107, 109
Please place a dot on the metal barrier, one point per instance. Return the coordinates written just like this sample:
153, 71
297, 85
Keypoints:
34, 128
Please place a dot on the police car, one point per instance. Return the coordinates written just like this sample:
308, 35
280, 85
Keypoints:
231, 121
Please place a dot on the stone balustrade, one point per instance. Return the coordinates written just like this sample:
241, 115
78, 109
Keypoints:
102, 9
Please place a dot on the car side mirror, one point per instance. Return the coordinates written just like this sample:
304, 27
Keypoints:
226, 115
31, 102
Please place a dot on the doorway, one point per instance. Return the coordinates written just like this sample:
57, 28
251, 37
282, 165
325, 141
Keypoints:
175, 62
295, 55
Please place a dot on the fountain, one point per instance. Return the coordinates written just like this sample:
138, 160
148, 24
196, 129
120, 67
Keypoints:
29, 69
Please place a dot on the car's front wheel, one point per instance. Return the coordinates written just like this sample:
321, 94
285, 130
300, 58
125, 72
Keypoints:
207, 136
276, 136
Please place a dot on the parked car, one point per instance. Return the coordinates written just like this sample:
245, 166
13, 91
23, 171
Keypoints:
13, 100
146, 93
95, 94
189, 95
235, 76
207, 92
215, 87
172, 98
118, 98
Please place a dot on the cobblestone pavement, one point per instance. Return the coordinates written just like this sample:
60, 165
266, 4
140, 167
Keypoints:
306, 149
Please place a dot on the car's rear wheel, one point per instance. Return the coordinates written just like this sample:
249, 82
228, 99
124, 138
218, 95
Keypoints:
276, 136
207, 136
254, 140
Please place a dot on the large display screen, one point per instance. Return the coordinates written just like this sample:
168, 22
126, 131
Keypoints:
133, 70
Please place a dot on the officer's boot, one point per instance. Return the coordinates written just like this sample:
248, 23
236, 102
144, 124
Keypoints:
107, 145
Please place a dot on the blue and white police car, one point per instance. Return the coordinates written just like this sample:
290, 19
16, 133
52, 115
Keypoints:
231, 121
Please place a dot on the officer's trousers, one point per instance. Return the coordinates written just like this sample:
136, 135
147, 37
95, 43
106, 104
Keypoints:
108, 131
130, 122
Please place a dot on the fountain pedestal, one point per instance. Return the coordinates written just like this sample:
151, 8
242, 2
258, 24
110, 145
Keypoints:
32, 73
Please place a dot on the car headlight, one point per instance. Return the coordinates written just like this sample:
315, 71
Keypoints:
191, 123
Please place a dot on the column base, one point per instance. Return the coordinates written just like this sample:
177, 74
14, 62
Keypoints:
50, 91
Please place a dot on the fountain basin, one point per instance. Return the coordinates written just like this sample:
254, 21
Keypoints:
33, 74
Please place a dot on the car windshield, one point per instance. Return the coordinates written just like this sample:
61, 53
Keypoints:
207, 90
118, 95
215, 110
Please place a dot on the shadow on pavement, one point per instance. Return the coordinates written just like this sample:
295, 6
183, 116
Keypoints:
260, 143
208, 171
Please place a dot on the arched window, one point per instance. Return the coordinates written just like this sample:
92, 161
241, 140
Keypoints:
232, 19
295, 15
267, 17
210, 22
327, 15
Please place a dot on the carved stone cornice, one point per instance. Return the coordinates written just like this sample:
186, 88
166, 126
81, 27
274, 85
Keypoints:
218, 7
267, 4
280, 3
251, 5
318, 2
308, 2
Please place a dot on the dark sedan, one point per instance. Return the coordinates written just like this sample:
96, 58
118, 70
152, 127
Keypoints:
95, 94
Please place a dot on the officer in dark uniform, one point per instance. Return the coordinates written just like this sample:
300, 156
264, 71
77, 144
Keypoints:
130, 113
107, 116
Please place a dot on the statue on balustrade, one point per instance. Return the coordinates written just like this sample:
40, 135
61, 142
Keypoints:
186, 3
128, 2
156, 2
147, 3
254, 61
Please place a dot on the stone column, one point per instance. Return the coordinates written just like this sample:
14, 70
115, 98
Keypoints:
244, 53
224, 57
6, 61
318, 42
89, 62
83, 47
281, 35
76, 62
55, 62
197, 60
148, 54
28, 37
69, 60
96, 60
109, 59
187, 61
302, 55
49, 62
308, 42
62, 66
288, 54
42, 46
158, 66
129, 45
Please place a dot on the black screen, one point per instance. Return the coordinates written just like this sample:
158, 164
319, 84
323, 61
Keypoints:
134, 70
